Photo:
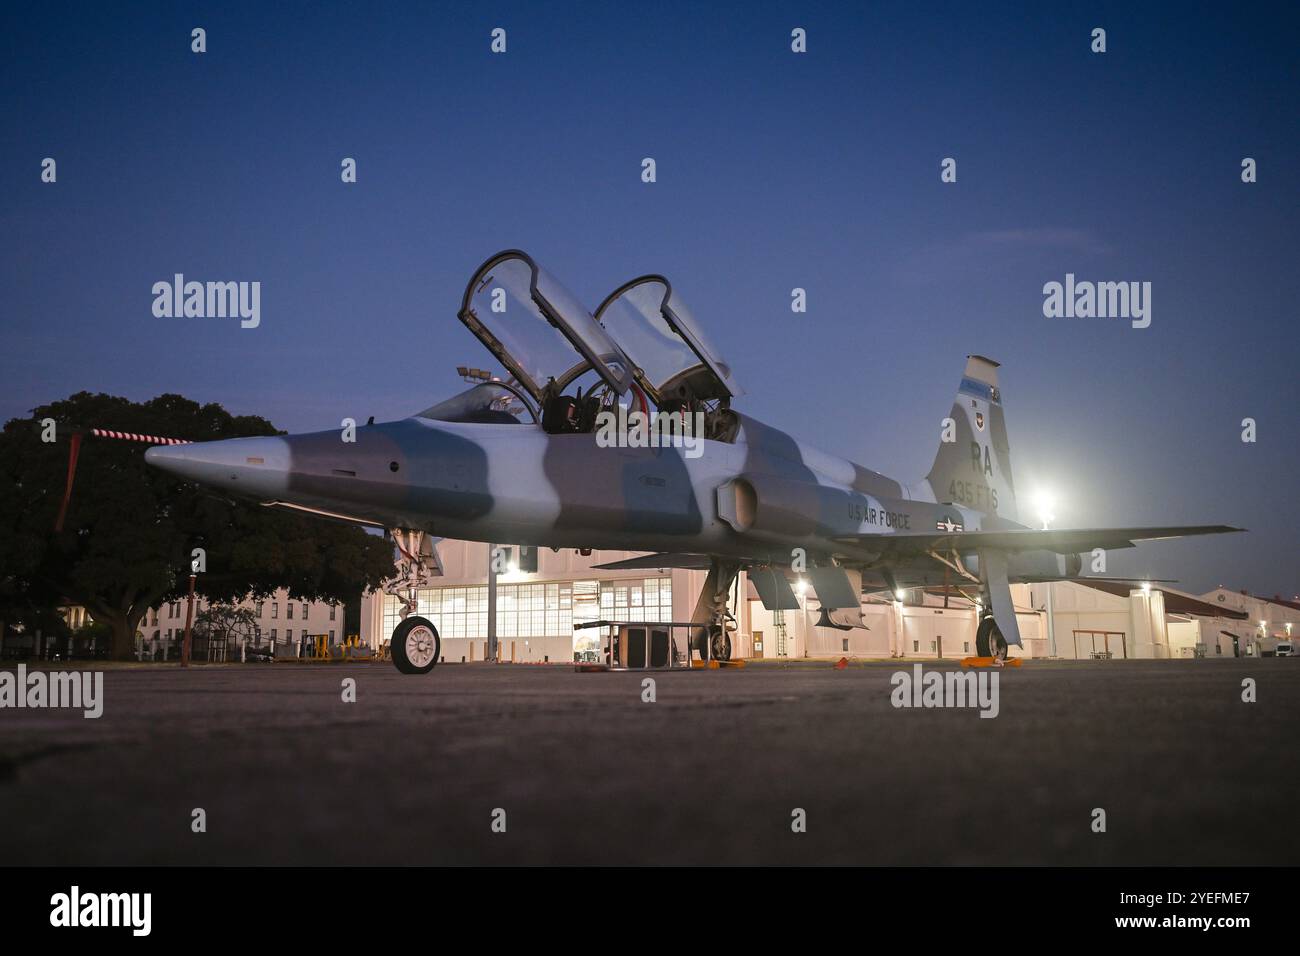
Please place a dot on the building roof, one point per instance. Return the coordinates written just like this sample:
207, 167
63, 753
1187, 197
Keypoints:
1176, 602
1276, 599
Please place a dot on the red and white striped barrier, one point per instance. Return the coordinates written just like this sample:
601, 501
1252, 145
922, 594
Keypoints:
74, 449
132, 436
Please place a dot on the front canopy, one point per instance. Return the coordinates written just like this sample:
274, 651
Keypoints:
536, 328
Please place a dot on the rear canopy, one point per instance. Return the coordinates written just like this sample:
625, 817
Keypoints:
658, 333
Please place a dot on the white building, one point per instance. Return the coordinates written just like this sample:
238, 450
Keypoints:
280, 623
1267, 620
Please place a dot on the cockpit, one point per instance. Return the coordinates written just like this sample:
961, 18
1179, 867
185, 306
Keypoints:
487, 403
641, 350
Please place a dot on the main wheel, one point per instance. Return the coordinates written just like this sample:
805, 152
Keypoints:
720, 648
989, 641
415, 646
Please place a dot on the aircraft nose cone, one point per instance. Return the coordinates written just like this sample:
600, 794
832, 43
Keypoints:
252, 466
164, 457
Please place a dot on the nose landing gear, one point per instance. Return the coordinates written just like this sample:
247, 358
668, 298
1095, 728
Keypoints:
415, 646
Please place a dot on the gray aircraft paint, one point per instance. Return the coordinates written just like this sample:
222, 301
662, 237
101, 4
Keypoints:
516, 483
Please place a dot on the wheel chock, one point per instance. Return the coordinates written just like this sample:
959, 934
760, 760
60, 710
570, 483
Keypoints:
989, 662
589, 668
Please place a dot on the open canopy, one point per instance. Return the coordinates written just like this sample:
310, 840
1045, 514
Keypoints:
536, 328
658, 333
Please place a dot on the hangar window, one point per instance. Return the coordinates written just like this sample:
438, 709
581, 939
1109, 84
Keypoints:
534, 610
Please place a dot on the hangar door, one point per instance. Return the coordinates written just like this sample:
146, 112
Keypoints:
1088, 643
931, 635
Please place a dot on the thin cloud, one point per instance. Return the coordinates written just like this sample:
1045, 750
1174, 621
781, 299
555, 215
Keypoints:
993, 250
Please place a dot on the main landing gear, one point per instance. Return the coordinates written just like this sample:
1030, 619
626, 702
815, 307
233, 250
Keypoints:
415, 646
713, 638
989, 641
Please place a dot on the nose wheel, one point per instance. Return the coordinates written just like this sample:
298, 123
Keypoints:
415, 646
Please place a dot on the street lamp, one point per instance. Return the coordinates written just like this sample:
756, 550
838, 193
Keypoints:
1044, 507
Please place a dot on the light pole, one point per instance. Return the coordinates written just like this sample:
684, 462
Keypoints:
491, 653
1044, 505
189, 623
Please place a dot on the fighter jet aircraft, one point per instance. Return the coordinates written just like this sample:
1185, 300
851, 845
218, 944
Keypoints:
553, 454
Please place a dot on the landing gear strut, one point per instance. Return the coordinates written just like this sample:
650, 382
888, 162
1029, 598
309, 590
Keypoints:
414, 645
713, 638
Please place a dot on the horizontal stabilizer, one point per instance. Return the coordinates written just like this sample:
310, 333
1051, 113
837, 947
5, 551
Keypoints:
1065, 541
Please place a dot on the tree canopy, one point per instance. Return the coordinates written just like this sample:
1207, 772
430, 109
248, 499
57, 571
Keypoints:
130, 529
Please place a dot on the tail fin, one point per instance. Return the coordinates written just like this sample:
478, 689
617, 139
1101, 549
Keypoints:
973, 466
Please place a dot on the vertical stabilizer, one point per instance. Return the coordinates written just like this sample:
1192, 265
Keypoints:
973, 469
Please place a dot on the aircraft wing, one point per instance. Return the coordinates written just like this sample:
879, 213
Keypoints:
694, 562
1065, 541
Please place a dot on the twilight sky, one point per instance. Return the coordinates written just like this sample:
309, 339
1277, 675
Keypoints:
775, 171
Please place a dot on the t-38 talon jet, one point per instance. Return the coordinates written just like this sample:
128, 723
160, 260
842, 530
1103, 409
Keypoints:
522, 460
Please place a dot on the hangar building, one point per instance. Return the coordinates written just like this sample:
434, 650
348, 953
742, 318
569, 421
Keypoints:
536, 613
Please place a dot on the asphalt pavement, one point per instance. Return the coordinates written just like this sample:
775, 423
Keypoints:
520, 764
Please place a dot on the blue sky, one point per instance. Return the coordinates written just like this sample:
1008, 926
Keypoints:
775, 170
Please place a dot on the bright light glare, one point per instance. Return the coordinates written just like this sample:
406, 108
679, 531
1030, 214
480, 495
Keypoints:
1045, 507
